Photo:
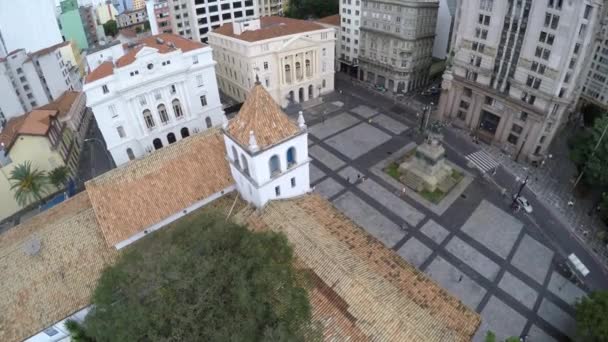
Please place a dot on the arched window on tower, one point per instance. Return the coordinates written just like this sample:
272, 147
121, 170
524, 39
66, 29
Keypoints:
245, 165
162, 113
149, 120
298, 70
308, 68
275, 165
177, 109
291, 157
130, 154
208, 122
287, 73
235, 157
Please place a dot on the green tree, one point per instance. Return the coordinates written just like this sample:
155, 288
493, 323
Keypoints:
582, 153
110, 28
305, 9
29, 185
146, 26
590, 113
59, 176
604, 209
203, 280
77, 333
592, 317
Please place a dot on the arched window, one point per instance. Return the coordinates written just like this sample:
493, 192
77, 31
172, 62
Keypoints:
245, 165
235, 157
171, 138
287, 73
185, 132
274, 165
324, 83
162, 112
177, 108
308, 69
130, 154
208, 122
158, 144
311, 93
298, 70
291, 157
149, 119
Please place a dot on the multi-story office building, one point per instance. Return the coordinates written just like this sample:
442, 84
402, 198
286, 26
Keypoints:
159, 16
31, 80
333, 21
595, 88
194, 19
29, 25
131, 18
515, 75
138, 4
161, 91
72, 26
348, 45
396, 42
293, 59
270, 7
92, 29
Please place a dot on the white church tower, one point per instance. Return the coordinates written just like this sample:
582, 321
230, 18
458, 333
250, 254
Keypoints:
267, 152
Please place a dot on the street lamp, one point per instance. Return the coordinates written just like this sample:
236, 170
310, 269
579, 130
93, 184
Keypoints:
103, 146
521, 187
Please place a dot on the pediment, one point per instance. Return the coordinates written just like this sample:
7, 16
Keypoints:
298, 42
146, 51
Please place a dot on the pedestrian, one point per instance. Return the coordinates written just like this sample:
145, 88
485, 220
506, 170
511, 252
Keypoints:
358, 176
403, 191
570, 203
460, 279
348, 179
370, 121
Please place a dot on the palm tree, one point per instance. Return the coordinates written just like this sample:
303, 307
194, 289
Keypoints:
29, 185
58, 176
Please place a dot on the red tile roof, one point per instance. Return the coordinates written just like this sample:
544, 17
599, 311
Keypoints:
106, 69
64, 103
36, 122
333, 20
270, 27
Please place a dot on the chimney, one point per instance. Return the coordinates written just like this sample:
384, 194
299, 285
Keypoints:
249, 25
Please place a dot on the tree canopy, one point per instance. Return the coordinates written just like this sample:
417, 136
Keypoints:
581, 152
59, 176
203, 280
592, 317
110, 28
29, 184
305, 9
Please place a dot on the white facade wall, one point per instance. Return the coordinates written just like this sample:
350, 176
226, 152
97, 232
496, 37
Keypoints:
259, 186
56, 74
348, 45
124, 104
9, 101
113, 52
239, 62
29, 25
194, 19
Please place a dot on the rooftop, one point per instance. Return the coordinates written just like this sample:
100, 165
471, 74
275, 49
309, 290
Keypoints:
270, 27
146, 191
48, 49
37, 122
53, 262
262, 116
64, 103
381, 295
163, 42
333, 20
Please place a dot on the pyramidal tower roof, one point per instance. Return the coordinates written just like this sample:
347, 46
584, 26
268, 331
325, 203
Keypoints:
261, 115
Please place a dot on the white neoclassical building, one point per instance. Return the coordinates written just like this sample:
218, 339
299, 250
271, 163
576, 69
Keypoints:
294, 59
162, 90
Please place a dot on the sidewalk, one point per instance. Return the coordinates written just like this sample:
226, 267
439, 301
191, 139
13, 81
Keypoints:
553, 183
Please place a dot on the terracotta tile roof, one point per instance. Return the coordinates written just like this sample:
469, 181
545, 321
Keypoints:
64, 103
104, 69
333, 20
11, 130
128, 32
264, 117
270, 27
49, 49
36, 122
40, 290
131, 198
384, 297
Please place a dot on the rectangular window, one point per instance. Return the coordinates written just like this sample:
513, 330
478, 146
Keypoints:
293, 182
105, 89
121, 131
142, 100
464, 105
265, 65
587, 12
200, 80
173, 90
157, 95
277, 191
467, 92
113, 112
517, 128
194, 59
203, 100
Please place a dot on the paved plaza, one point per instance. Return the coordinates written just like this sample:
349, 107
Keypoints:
494, 261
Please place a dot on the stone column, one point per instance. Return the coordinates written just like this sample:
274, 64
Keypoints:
473, 118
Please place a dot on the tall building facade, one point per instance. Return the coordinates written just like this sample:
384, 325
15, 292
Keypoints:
348, 45
72, 26
132, 18
396, 43
159, 16
293, 59
194, 19
34, 79
161, 91
516, 71
29, 25
270, 7
595, 88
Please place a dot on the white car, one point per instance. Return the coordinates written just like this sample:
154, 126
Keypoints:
523, 202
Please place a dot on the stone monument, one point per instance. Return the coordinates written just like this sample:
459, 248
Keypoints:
427, 170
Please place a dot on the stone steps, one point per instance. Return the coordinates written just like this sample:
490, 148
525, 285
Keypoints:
412, 181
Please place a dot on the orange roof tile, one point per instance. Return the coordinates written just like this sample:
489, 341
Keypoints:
333, 20
104, 69
42, 289
64, 103
270, 27
141, 193
36, 122
264, 117
10, 131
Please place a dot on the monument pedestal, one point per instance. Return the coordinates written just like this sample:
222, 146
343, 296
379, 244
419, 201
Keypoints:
427, 170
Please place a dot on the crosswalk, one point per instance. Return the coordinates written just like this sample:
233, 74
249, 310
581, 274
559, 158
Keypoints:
483, 161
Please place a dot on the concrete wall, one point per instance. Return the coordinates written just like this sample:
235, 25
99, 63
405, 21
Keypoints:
73, 29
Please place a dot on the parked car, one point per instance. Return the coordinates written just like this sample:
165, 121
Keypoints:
523, 202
